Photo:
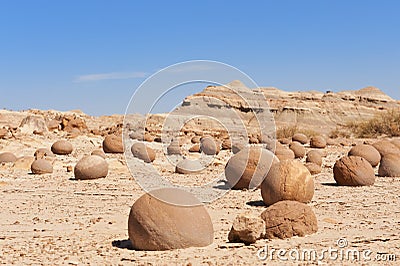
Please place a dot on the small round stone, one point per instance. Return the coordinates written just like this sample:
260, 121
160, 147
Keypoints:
41, 166
143, 152
314, 156
91, 167
284, 153
298, 149
209, 146
299, 137
7, 157
318, 142
353, 171
368, 152
314, 169
62, 147
113, 144
386, 147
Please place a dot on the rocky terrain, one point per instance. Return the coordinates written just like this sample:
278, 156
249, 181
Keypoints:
72, 209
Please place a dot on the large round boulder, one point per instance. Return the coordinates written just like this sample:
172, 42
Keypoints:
167, 219
318, 142
314, 169
41, 166
287, 180
7, 157
367, 152
248, 168
390, 165
143, 152
209, 146
113, 144
299, 137
188, 166
91, 167
386, 147
298, 149
284, 153
62, 147
353, 171
314, 156
286, 219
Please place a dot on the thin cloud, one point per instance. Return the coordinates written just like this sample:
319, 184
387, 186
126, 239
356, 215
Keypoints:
111, 75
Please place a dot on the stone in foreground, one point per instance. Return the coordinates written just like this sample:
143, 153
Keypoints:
246, 229
286, 219
167, 219
353, 171
91, 167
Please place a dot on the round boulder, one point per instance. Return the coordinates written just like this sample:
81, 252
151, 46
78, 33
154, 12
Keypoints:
287, 180
318, 142
7, 157
299, 137
368, 152
99, 152
113, 144
41, 166
314, 156
284, 153
286, 219
390, 165
353, 171
386, 147
187, 166
62, 147
314, 169
209, 146
167, 219
248, 168
298, 149
143, 152
91, 167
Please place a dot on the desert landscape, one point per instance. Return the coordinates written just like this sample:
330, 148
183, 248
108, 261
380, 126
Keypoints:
63, 206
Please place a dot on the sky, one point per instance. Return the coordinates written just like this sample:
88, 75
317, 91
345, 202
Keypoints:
93, 55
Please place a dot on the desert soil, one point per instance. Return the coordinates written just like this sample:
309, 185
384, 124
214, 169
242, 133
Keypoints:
54, 220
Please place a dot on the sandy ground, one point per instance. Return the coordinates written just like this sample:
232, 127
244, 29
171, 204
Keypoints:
53, 219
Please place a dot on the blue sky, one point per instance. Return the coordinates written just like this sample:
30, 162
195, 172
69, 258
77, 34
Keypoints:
92, 55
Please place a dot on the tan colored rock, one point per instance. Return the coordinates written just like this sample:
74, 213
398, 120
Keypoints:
246, 228
113, 144
314, 156
99, 152
209, 146
287, 180
368, 152
353, 171
33, 124
285, 141
91, 167
7, 157
299, 137
3, 133
169, 219
41, 166
314, 168
195, 139
390, 165
395, 142
62, 147
187, 166
286, 219
195, 148
248, 168
143, 152
44, 153
298, 149
24, 162
385, 147
284, 153
318, 142
70, 122
53, 125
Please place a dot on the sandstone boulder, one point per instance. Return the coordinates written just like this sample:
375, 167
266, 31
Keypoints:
99, 152
209, 146
314, 169
41, 166
143, 152
113, 144
7, 157
246, 228
299, 137
62, 147
390, 165
318, 142
353, 171
91, 167
367, 152
314, 156
284, 153
298, 149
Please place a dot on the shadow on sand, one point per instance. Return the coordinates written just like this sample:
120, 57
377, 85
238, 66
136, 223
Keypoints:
124, 244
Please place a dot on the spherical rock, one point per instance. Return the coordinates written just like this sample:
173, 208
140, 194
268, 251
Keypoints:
246, 228
286, 219
91, 167
390, 165
41, 166
314, 156
284, 153
62, 147
209, 146
195, 148
113, 144
7, 157
353, 171
248, 168
99, 152
287, 180
314, 169
298, 149
368, 152
187, 166
167, 219
299, 137
318, 142
143, 152
385, 147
